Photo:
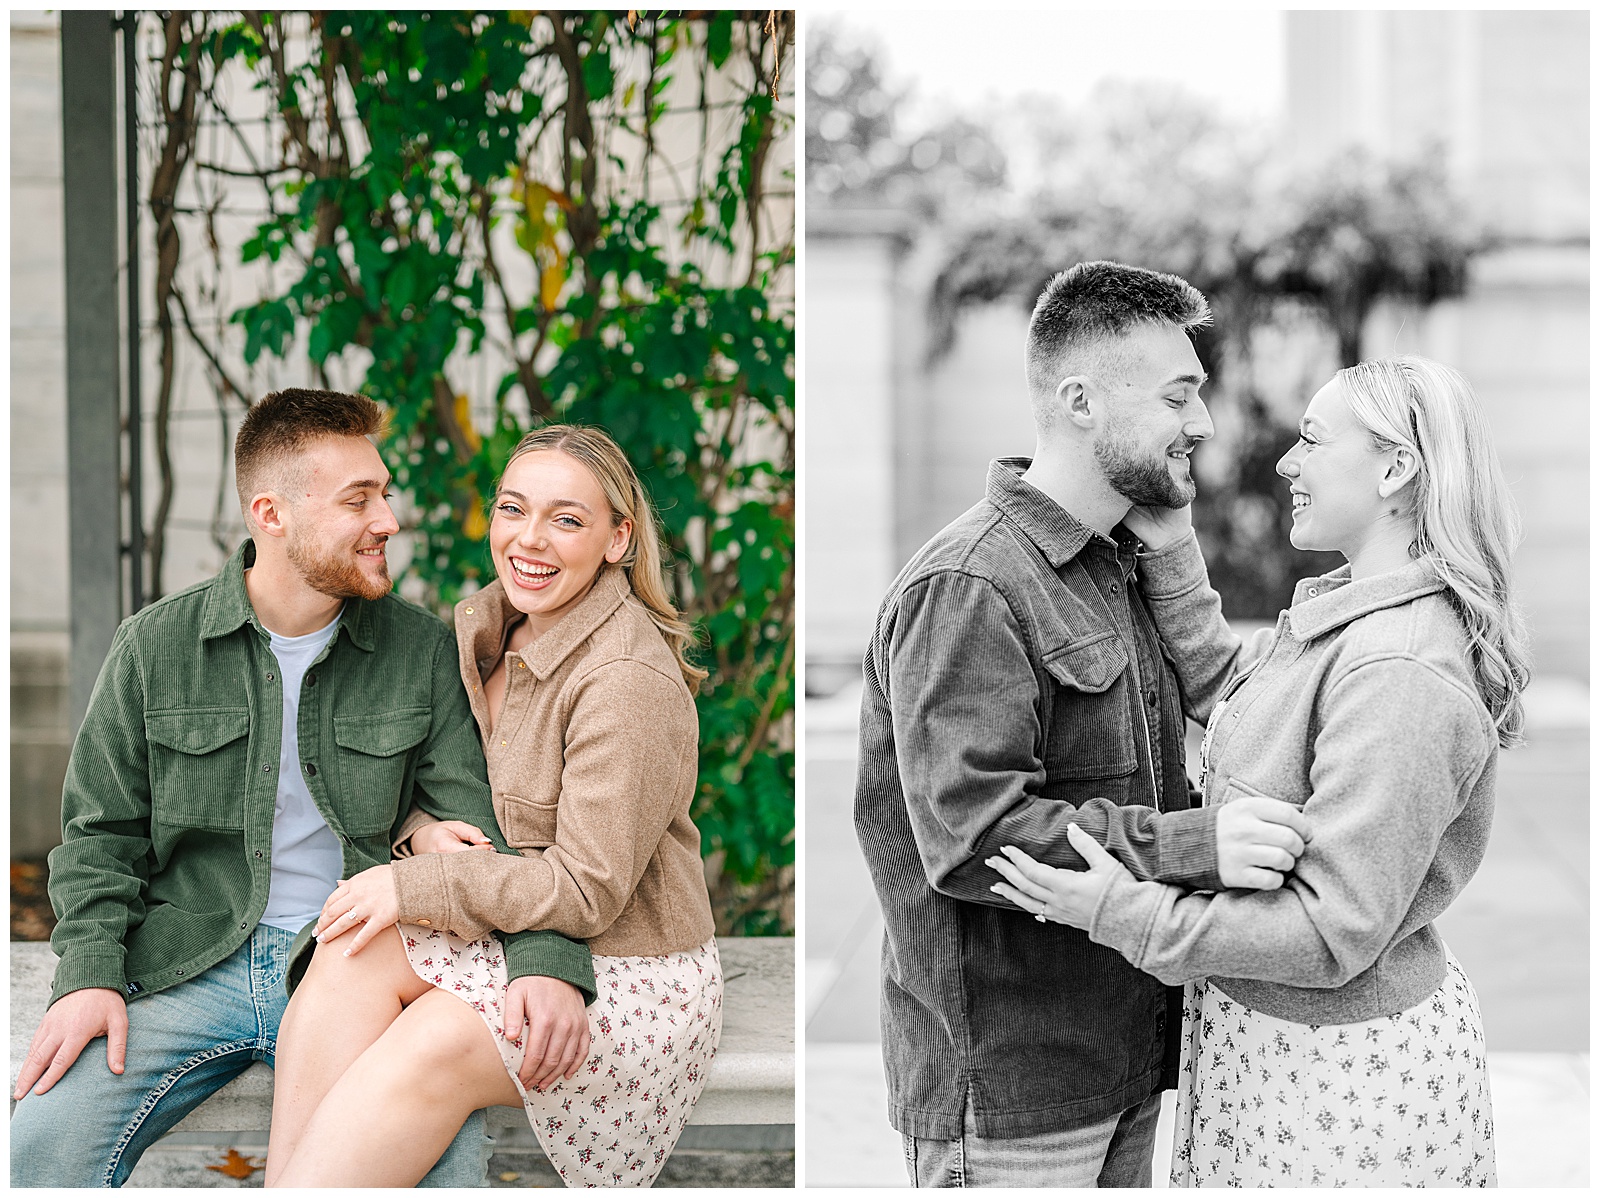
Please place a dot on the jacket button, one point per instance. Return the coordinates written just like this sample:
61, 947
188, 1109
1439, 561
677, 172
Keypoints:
243, 926
270, 677
266, 769
1312, 591
468, 610
180, 973
1113, 588
311, 770
1152, 698
311, 680
258, 854
428, 923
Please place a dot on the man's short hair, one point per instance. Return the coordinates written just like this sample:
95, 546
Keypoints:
1083, 308
278, 428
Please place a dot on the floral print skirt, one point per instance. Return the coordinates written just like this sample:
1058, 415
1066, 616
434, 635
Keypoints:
654, 1027
1399, 1101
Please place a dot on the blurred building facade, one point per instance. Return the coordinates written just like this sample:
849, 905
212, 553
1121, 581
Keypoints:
1506, 96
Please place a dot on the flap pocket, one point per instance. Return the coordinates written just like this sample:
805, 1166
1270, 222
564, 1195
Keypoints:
197, 730
1236, 788
382, 734
199, 766
1090, 666
527, 825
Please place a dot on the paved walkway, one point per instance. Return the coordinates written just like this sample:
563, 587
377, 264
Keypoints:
1520, 929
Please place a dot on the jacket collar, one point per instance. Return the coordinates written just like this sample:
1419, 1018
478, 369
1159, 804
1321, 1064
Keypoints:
228, 605
1059, 535
1323, 604
483, 618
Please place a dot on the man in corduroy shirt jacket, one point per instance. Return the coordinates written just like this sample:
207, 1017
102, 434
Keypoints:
1015, 685
250, 742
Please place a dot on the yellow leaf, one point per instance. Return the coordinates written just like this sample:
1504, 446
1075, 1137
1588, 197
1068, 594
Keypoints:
631, 90
551, 280
464, 422
476, 525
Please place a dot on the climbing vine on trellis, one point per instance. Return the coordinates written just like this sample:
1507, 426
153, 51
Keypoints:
484, 222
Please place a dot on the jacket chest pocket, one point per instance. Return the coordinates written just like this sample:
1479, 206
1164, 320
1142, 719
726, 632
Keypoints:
1090, 733
527, 823
199, 766
372, 766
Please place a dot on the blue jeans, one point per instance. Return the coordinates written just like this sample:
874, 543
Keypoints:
184, 1044
1113, 1154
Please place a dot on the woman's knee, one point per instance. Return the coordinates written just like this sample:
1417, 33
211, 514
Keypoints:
380, 966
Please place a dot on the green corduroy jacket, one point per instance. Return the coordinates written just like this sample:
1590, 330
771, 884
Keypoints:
170, 790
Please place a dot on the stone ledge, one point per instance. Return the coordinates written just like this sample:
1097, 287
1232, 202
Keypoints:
751, 1082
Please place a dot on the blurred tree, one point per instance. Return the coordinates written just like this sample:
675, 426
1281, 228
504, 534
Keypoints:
1150, 177
860, 149
447, 179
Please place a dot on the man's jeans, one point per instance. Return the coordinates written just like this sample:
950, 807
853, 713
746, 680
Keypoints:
1114, 1154
184, 1044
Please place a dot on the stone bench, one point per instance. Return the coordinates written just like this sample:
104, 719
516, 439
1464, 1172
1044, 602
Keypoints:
747, 1108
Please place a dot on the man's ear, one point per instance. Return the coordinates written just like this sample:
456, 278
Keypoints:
1402, 468
1072, 393
266, 513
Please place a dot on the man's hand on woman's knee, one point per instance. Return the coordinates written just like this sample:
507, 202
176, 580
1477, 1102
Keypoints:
553, 1025
67, 1027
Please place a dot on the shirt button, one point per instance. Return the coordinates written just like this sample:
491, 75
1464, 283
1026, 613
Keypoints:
311, 770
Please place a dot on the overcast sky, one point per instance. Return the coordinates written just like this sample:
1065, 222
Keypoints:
958, 59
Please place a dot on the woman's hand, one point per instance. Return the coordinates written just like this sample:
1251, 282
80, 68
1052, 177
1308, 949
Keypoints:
449, 836
1066, 896
368, 899
546, 1016
1158, 526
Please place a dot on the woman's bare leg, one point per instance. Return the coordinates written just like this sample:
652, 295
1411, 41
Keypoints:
340, 1008
396, 1109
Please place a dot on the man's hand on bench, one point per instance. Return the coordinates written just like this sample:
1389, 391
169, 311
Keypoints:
67, 1027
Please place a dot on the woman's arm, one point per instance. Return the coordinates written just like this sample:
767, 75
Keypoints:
1383, 793
1206, 652
631, 755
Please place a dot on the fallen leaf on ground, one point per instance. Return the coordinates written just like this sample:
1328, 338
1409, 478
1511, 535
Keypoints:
236, 1166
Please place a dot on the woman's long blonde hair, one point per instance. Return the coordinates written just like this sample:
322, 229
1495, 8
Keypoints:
1466, 522
642, 559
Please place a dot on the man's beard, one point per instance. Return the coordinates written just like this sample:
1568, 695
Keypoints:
333, 575
1142, 479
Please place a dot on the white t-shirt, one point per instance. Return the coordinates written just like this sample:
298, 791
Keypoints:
306, 858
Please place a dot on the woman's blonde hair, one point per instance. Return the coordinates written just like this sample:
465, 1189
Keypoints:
642, 559
1466, 522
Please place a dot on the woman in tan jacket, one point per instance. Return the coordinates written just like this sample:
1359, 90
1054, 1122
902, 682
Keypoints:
573, 662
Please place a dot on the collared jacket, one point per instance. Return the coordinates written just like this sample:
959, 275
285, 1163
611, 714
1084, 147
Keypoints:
167, 811
1014, 685
594, 758
1360, 706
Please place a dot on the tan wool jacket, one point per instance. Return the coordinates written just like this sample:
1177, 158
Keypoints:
593, 764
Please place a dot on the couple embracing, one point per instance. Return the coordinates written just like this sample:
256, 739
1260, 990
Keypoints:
469, 858
1022, 767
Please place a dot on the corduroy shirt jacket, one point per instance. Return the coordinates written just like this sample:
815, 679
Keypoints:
1014, 686
167, 811
593, 760
1360, 708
